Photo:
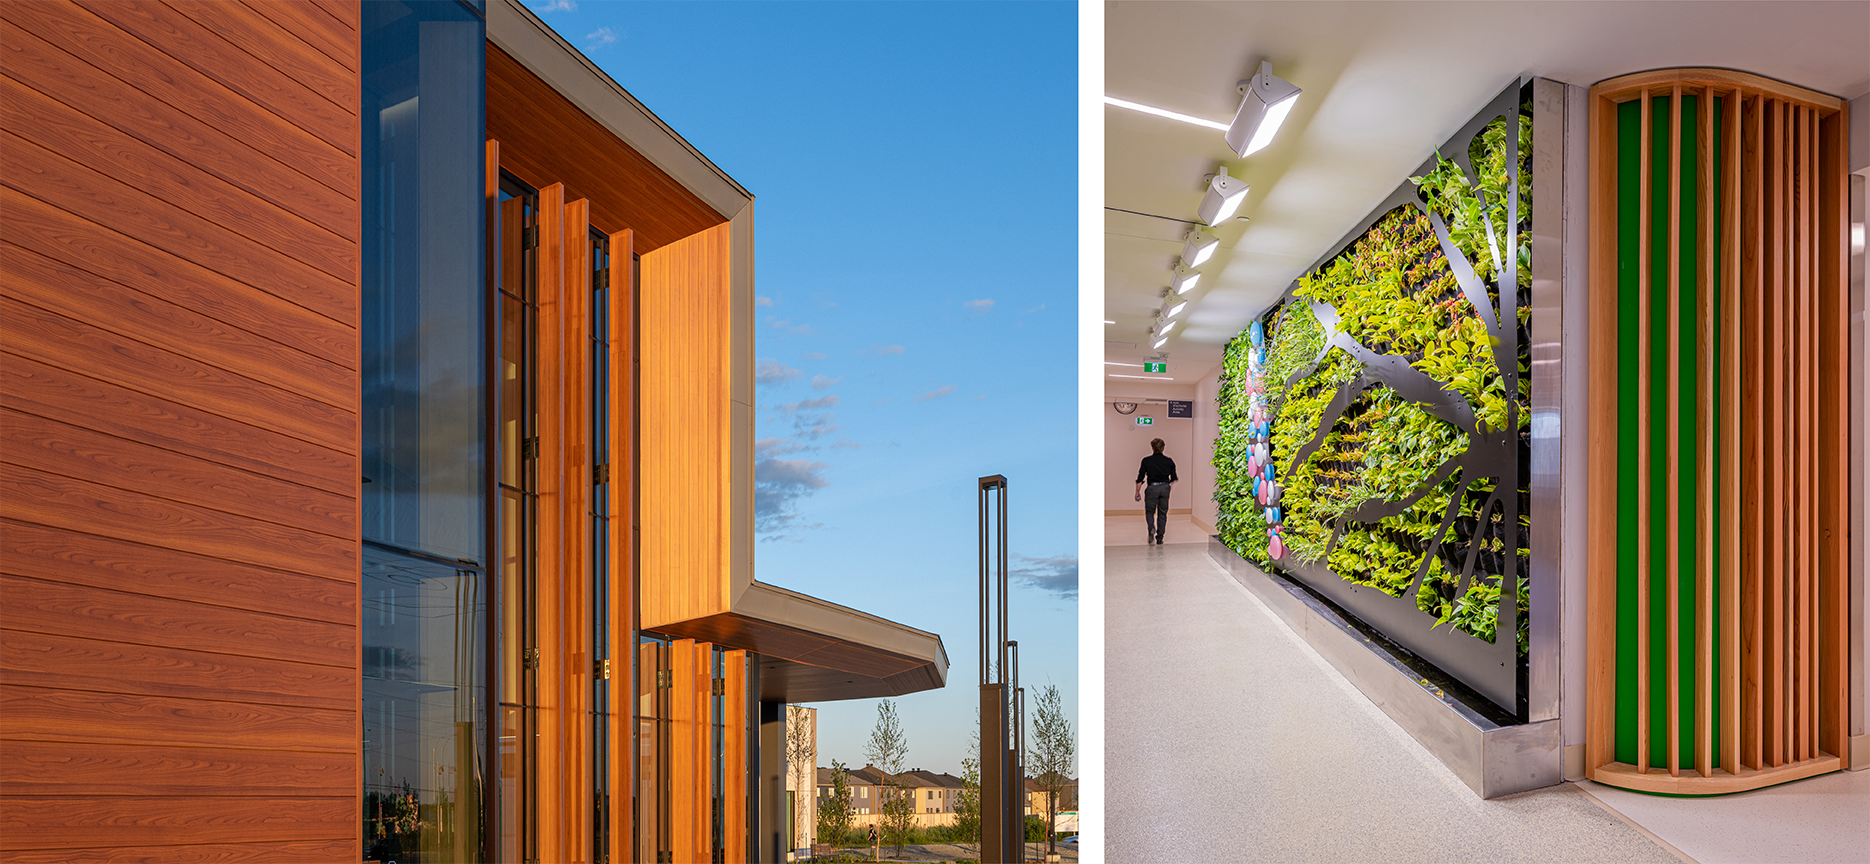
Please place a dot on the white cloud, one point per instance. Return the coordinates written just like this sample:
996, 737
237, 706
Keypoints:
937, 393
600, 36
778, 485
762, 301
560, 6
820, 382
818, 404
980, 307
1057, 574
770, 371
1038, 308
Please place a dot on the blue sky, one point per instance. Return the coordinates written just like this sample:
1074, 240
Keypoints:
915, 174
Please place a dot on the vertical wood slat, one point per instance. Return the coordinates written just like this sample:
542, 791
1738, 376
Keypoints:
1601, 690
574, 594
1812, 454
734, 772
1753, 549
683, 771
1729, 420
1643, 647
1834, 402
1673, 471
550, 528
621, 504
1704, 473
702, 691
1803, 444
1775, 444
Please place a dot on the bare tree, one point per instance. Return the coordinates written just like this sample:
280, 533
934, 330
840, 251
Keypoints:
802, 758
888, 750
1052, 755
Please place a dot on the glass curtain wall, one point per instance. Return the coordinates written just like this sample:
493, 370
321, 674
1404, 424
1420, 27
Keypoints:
423, 573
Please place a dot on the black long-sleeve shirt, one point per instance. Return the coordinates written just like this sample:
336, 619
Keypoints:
1157, 468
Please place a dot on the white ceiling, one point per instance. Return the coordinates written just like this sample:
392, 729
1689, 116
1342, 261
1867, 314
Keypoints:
1384, 83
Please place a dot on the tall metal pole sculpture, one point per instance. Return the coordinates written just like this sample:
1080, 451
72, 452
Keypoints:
1016, 760
995, 764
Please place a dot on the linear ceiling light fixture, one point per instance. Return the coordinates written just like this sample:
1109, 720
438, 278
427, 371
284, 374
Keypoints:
1144, 377
1265, 100
1199, 246
1161, 113
1161, 342
1223, 197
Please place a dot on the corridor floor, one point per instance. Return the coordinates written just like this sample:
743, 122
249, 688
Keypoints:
1227, 739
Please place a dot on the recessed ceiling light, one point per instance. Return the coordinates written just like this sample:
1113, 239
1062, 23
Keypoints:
1115, 363
1265, 101
1162, 113
1223, 197
1108, 321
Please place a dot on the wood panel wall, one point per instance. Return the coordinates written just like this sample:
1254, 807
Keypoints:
550, 140
686, 439
179, 485
1769, 508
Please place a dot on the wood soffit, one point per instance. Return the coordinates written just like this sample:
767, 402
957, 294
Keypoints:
805, 665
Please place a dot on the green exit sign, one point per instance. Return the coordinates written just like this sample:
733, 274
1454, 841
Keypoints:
1145, 421
1162, 368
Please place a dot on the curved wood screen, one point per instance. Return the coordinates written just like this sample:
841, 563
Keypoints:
1719, 346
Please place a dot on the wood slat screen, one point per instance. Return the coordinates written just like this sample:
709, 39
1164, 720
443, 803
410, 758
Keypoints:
1718, 574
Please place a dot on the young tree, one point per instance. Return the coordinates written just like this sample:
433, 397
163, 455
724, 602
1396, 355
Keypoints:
834, 813
802, 758
967, 801
1052, 755
888, 750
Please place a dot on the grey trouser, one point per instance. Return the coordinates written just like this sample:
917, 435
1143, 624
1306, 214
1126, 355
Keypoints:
1156, 508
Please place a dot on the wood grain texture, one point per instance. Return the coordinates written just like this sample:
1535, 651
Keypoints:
68, 397
685, 454
1644, 676
1601, 519
549, 620
1703, 661
1672, 516
53, 822
280, 852
179, 434
315, 27
81, 716
79, 244
141, 66
91, 508
65, 768
622, 509
1753, 476
81, 454
1774, 491
96, 145
1730, 568
546, 139
166, 130
734, 771
684, 772
57, 608
1624, 87
49, 661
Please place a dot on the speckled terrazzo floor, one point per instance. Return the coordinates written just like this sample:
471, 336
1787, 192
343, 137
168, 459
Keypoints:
1818, 819
1227, 739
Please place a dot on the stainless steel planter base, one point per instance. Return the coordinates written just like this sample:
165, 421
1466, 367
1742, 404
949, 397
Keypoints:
1492, 759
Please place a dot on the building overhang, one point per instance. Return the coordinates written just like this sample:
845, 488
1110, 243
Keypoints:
816, 651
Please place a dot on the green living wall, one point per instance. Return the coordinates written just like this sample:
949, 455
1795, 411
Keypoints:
1375, 422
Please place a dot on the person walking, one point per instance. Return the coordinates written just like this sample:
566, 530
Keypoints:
1159, 472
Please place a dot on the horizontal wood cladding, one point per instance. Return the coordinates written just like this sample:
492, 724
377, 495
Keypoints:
686, 450
150, 68
165, 130
39, 714
545, 139
283, 852
64, 768
180, 675
47, 822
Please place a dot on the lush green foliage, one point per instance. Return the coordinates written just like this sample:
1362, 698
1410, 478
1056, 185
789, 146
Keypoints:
835, 814
1396, 294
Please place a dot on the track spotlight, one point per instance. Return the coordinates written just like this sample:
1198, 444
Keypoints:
1173, 303
1198, 247
1265, 101
1224, 196
1184, 279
